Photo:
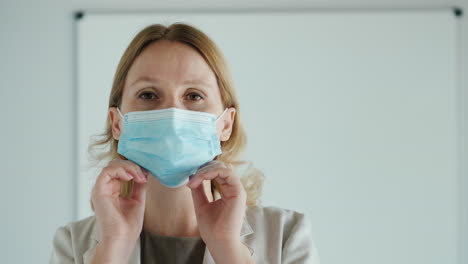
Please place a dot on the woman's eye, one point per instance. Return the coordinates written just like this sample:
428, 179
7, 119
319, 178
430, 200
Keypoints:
147, 96
194, 97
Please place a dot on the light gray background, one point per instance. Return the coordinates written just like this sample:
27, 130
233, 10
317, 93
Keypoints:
39, 104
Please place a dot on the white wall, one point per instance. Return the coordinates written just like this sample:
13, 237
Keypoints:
38, 103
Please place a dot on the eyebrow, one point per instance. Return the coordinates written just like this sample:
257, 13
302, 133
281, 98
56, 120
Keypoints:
156, 80
196, 82
145, 79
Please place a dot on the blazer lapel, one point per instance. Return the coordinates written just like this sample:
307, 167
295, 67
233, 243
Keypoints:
88, 254
95, 235
246, 230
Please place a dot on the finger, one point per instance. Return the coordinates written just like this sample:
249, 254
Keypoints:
226, 182
197, 179
223, 173
131, 165
106, 177
141, 171
199, 197
139, 191
136, 171
229, 190
211, 165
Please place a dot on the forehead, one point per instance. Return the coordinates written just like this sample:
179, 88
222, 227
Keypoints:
171, 62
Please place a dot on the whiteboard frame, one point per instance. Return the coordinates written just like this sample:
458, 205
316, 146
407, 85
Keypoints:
462, 87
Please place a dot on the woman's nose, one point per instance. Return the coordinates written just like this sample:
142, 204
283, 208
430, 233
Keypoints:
172, 101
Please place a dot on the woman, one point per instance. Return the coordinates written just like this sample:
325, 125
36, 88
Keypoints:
172, 192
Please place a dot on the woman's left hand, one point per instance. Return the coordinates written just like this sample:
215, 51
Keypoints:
220, 221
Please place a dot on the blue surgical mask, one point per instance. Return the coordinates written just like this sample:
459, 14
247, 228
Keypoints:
170, 143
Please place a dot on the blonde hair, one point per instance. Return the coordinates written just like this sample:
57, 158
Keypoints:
191, 36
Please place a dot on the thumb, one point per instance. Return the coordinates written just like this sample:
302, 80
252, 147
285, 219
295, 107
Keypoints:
139, 191
199, 197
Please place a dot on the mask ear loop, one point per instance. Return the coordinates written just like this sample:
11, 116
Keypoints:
120, 112
217, 186
126, 188
221, 115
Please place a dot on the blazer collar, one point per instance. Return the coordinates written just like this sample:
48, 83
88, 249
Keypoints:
135, 257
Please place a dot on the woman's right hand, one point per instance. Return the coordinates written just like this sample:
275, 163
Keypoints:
120, 219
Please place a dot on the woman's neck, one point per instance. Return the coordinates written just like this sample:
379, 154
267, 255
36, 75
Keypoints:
169, 211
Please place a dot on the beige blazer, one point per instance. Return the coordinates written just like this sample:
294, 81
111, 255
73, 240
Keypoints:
273, 235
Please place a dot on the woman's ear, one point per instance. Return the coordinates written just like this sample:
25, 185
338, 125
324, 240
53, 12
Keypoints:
227, 121
115, 122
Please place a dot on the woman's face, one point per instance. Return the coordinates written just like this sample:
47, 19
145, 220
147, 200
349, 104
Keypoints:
172, 74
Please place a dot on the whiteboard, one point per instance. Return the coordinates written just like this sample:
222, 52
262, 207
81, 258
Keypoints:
351, 116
